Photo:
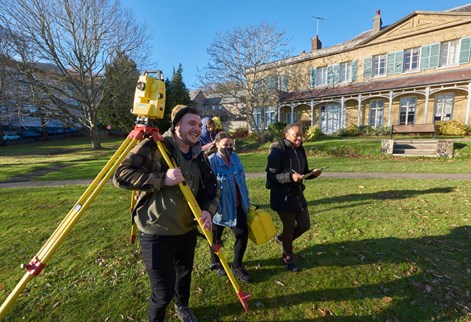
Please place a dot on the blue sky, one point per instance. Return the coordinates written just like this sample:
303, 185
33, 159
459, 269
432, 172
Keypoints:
182, 30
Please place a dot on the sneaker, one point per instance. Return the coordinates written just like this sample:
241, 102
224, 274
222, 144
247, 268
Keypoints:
185, 314
241, 274
293, 267
217, 267
290, 263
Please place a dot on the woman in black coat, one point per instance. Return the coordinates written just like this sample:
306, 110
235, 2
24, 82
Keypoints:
286, 169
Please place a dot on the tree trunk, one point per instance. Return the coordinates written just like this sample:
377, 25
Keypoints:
95, 138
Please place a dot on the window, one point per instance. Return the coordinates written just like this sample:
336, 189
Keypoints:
407, 110
376, 113
288, 117
330, 118
444, 107
269, 118
272, 83
257, 116
321, 76
379, 65
411, 59
282, 83
346, 72
449, 53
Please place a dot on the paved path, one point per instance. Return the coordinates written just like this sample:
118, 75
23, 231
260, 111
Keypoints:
446, 176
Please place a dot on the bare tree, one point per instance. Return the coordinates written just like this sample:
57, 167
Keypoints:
9, 78
239, 66
64, 46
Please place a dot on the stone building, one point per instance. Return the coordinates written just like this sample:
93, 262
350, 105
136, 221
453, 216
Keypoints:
414, 71
226, 108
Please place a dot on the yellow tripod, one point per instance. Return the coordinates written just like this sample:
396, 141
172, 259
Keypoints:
149, 95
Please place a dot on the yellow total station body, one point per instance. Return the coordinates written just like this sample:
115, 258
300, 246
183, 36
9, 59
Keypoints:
149, 98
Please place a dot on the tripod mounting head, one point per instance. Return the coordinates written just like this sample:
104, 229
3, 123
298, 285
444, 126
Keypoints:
149, 98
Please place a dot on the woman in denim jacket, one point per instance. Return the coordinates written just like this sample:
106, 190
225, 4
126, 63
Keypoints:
234, 203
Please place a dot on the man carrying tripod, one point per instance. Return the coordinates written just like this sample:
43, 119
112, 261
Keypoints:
162, 214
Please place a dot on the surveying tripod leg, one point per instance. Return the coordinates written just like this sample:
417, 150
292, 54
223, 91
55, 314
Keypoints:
132, 237
195, 208
48, 249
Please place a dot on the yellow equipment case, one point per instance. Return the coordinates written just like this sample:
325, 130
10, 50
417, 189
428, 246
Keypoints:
261, 227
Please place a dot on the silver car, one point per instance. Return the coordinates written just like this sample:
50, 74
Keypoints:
11, 137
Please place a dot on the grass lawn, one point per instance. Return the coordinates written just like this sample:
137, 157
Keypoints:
383, 250
72, 159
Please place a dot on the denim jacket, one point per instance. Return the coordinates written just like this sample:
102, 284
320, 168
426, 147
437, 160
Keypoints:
227, 209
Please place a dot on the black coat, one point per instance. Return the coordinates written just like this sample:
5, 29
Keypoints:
285, 194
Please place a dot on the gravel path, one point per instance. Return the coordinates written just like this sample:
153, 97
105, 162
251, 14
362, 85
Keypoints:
24, 182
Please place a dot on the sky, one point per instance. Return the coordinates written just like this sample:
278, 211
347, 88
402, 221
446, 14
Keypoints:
182, 30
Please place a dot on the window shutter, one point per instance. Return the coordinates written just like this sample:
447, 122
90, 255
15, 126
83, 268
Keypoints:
434, 55
313, 77
330, 74
398, 61
354, 69
395, 61
284, 83
272, 80
465, 50
256, 86
391, 62
425, 57
336, 73
367, 67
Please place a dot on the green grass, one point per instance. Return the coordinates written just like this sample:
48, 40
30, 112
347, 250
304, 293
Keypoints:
72, 159
377, 250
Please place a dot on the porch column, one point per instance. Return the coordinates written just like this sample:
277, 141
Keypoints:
342, 109
278, 116
390, 107
359, 110
427, 94
312, 112
292, 112
468, 104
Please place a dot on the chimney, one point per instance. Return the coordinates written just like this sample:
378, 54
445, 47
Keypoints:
377, 22
316, 43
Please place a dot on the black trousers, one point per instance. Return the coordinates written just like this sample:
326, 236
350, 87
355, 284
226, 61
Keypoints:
294, 225
241, 233
169, 262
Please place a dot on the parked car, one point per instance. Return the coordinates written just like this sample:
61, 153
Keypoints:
30, 135
11, 137
55, 131
72, 131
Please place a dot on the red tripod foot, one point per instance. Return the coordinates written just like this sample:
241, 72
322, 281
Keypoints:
244, 298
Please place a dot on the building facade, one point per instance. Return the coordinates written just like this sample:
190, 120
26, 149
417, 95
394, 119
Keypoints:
228, 109
414, 71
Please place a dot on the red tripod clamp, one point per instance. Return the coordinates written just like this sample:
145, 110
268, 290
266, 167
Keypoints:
35, 266
140, 130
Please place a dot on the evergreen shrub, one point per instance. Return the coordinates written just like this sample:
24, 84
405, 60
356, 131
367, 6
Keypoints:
451, 128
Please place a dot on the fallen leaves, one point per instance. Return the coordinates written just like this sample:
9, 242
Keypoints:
325, 312
387, 299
